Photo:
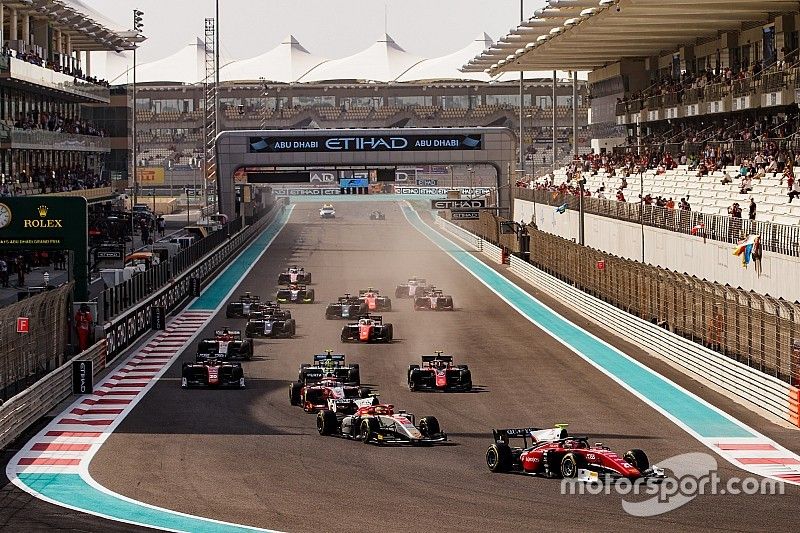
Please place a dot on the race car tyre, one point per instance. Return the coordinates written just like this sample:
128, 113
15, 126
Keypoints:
354, 376
499, 457
294, 393
293, 329
389, 332
308, 279
368, 429
463, 367
429, 426
326, 422
638, 459
249, 352
344, 336
364, 392
401, 292
569, 466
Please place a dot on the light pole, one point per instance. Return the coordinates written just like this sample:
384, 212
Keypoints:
137, 27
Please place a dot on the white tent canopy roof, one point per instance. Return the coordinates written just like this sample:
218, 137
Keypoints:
286, 63
187, 65
447, 67
384, 61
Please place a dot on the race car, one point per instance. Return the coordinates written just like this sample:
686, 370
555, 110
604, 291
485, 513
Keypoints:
433, 299
369, 328
294, 293
314, 397
242, 308
372, 422
294, 274
438, 373
347, 306
226, 345
327, 211
212, 373
274, 324
374, 300
555, 454
377, 215
329, 365
410, 288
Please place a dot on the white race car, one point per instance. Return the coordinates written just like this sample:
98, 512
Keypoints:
374, 423
327, 211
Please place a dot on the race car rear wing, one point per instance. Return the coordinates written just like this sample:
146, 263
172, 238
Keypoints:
247, 297
337, 357
432, 358
233, 332
553, 434
350, 404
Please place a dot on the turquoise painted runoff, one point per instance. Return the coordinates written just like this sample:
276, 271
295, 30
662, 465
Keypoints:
72, 490
214, 294
699, 417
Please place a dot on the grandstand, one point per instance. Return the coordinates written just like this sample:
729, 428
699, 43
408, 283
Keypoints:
381, 86
691, 102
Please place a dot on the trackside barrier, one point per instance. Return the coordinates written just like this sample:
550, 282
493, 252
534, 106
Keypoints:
761, 390
24, 409
127, 328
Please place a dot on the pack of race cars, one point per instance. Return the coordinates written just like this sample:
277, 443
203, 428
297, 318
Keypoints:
331, 388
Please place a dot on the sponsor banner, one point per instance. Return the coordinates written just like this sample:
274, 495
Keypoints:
466, 215
82, 377
427, 182
365, 143
149, 176
458, 204
468, 191
323, 176
317, 191
353, 182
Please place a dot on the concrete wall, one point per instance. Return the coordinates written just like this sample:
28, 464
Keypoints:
712, 260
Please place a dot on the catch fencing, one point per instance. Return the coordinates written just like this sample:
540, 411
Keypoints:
757, 330
26, 357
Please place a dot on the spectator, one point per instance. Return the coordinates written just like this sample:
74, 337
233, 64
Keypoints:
3, 272
145, 228
670, 204
752, 209
20, 266
794, 191
162, 226
735, 211
746, 185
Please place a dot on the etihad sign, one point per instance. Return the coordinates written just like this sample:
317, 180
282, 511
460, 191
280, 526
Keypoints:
42, 222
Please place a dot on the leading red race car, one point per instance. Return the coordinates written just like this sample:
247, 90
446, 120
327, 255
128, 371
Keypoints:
553, 453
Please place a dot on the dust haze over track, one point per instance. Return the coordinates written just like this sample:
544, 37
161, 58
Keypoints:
249, 457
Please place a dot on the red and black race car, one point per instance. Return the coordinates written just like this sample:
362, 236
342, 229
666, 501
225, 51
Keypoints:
369, 328
438, 373
212, 373
227, 344
433, 299
374, 301
555, 454
314, 396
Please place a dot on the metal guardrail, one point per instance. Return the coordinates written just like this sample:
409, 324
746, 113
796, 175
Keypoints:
119, 298
778, 238
764, 391
24, 409
125, 329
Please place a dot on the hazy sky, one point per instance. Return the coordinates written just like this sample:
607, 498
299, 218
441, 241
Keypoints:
329, 28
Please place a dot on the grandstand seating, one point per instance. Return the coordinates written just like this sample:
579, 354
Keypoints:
706, 194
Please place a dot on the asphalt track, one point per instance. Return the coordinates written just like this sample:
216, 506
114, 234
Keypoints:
249, 457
